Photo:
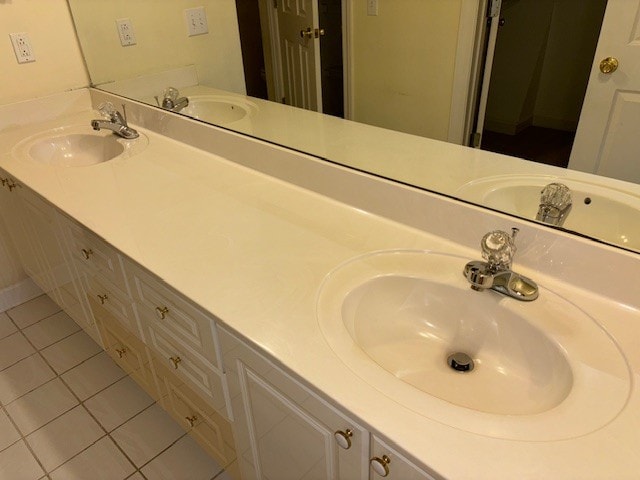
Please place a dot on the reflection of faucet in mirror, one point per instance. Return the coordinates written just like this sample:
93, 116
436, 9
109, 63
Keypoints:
114, 121
498, 248
172, 101
555, 204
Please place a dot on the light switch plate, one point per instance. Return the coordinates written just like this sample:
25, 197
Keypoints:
196, 21
22, 47
125, 32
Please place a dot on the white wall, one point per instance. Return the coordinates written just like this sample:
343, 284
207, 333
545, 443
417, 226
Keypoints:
58, 67
162, 41
403, 63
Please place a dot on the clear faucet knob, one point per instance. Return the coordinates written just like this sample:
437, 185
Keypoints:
557, 195
498, 249
107, 109
171, 93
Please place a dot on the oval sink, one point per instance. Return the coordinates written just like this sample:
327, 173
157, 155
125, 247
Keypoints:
598, 211
218, 109
78, 146
540, 369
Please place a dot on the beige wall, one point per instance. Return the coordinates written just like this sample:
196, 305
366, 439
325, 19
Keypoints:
58, 64
162, 41
403, 61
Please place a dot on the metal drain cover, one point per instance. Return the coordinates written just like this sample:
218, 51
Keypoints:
460, 362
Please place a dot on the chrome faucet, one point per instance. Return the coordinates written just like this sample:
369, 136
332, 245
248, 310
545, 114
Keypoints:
114, 121
555, 204
495, 273
172, 101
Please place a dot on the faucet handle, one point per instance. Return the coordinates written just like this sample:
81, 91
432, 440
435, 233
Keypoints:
557, 195
171, 93
107, 110
498, 249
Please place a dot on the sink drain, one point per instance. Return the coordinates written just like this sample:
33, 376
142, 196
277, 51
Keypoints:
460, 362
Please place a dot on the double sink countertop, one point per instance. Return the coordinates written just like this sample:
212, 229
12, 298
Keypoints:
253, 251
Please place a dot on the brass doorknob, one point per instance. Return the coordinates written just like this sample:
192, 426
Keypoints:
308, 33
609, 65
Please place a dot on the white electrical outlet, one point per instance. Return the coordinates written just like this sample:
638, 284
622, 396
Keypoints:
125, 32
372, 7
22, 47
196, 21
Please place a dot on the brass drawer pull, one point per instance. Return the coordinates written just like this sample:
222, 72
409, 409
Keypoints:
176, 361
192, 420
380, 465
343, 438
121, 352
162, 312
87, 253
103, 298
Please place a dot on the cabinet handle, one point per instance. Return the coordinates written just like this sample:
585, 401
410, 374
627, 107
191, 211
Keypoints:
103, 298
4, 181
343, 438
176, 361
192, 420
87, 253
162, 312
121, 352
380, 465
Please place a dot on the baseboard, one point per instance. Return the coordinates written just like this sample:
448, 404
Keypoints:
18, 293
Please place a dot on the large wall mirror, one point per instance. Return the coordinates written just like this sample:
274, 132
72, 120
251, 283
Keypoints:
372, 83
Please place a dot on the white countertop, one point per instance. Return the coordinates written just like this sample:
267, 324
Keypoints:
253, 251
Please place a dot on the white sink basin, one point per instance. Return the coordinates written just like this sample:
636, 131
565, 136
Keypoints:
600, 212
542, 369
218, 109
78, 146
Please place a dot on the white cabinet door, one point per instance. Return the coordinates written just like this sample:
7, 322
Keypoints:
283, 430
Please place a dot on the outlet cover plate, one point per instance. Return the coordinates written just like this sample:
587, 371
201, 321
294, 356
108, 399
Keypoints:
22, 47
196, 19
125, 32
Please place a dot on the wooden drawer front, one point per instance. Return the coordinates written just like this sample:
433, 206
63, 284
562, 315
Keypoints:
113, 300
156, 304
185, 364
200, 419
91, 252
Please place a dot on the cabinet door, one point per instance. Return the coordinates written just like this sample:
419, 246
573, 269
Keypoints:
284, 431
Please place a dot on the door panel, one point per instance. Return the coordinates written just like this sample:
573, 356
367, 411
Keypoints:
300, 53
606, 140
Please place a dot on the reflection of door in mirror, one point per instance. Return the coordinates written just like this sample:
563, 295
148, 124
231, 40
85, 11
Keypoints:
306, 64
543, 57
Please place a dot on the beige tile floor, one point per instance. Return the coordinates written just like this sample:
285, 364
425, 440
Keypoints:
68, 412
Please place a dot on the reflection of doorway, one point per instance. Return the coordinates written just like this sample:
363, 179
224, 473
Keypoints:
301, 45
543, 57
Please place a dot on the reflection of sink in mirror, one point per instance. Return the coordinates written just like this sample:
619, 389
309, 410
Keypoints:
598, 211
219, 109
538, 368
78, 146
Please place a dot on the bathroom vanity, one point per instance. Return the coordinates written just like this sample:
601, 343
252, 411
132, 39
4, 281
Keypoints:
239, 283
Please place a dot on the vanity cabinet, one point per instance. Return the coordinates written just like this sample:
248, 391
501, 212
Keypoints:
286, 431
37, 231
255, 419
